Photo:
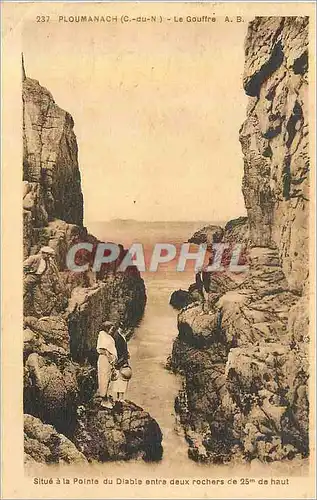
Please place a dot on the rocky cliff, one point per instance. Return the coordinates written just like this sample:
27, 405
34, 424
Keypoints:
243, 351
63, 314
50, 155
274, 141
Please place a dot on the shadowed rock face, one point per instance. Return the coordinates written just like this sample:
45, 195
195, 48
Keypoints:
208, 235
237, 231
42, 444
244, 353
180, 299
274, 140
64, 312
50, 153
125, 433
119, 298
245, 369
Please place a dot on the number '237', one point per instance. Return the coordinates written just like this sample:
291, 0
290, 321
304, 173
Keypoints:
42, 19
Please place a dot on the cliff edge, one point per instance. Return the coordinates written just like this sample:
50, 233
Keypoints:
64, 313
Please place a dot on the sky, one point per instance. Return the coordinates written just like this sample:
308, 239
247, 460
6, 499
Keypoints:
157, 111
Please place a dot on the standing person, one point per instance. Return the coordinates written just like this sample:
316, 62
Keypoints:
200, 284
124, 372
107, 351
34, 267
206, 279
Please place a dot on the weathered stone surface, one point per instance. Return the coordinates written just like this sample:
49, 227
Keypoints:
49, 297
43, 332
237, 231
245, 378
206, 425
122, 433
298, 320
33, 201
274, 141
198, 328
269, 386
51, 388
120, 298
246, 320
42, 444
222, 282
208, 234
50, 153
27, 233
61, 236
261, 51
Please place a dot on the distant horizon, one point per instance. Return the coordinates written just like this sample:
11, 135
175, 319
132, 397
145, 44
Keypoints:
148, 233
162, 221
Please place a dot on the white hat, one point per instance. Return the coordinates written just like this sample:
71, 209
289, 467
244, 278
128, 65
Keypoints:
47, 250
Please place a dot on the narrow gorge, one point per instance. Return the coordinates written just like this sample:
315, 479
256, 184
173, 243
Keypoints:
240, 352
243, 354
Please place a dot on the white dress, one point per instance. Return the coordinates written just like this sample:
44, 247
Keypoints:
107, 351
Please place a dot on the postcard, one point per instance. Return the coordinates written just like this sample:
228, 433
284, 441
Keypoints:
158, 250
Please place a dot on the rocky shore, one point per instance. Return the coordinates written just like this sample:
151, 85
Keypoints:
63, 420
243, 353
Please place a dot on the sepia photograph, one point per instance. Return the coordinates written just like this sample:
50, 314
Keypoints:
166, 247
